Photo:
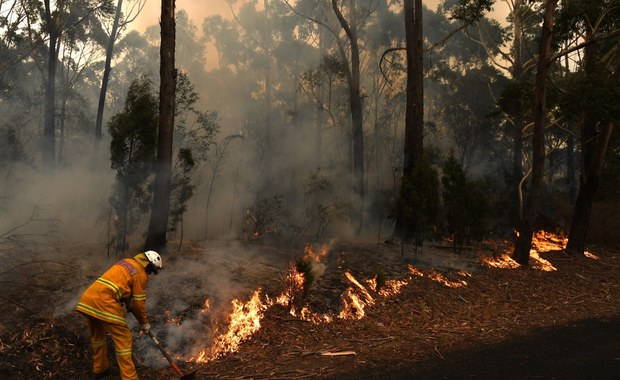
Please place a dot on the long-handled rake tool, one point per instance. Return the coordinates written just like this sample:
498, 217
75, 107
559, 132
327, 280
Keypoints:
174, 365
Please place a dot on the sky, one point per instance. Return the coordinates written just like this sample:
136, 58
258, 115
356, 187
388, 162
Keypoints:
199, 9
196, 9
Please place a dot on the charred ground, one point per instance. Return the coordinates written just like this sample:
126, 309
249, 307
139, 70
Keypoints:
504, 323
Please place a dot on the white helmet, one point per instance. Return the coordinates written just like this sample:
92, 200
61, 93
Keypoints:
154, 259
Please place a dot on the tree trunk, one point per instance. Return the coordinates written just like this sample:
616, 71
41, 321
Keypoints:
106, 73
49, 126
593, 148
524, 240
158, 225
357, 121
414, 113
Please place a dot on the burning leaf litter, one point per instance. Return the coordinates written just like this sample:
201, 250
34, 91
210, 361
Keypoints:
245, 318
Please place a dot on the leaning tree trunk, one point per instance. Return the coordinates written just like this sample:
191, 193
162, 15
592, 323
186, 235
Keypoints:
158, 225
106, 73
593, 148
414, 112
526, 229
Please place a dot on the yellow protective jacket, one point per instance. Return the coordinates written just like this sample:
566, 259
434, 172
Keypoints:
124, 281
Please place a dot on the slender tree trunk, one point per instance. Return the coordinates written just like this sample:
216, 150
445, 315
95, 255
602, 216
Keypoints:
106, 73
158, 225
517, 75
49, 126
524, 240
594, 145
357, 121
414, 112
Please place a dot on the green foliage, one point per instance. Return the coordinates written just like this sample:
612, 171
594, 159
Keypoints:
264, 218
11, 148
467, 10
597, 93
464, 204
132, 149
380, 277
304, 266
321, 204
182, 188
516, 98
194, 133
418, 202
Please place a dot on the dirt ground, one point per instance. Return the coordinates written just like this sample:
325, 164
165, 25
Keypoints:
452, 316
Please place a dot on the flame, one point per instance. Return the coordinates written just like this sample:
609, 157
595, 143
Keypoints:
415, 271
316, 256
206, 306
353, 308
503, 261
362, 289
591, 255
243, 322
293, 286
391, 288
170, 319
440, 278
544, 241
540, 263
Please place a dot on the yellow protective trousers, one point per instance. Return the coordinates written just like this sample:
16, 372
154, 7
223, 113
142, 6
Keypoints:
122, 344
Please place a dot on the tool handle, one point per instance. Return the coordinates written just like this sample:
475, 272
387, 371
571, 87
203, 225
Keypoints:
170, 360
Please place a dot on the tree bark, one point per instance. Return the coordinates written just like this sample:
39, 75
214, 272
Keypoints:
414, 113
526, 229
106, 73
49, 126
158, 225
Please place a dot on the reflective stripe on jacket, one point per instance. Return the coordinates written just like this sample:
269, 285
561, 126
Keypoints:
124, 280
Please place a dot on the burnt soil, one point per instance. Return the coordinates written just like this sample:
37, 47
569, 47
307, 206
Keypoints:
481, 322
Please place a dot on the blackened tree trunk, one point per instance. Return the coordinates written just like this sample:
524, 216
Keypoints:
106, 73
156, 237
414, 113
526, 228
593, 148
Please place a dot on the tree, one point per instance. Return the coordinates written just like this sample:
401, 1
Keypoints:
414, 117
116, 25
158, 225
132, 149
353, 75
525, 230
56, 21
592, 99
464, 204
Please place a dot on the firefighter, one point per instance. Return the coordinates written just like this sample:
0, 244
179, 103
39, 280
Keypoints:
102, 304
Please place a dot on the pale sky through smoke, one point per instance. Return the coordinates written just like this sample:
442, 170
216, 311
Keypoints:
199, 9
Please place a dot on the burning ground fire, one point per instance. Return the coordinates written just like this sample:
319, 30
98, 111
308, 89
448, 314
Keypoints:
542, 241
245, 318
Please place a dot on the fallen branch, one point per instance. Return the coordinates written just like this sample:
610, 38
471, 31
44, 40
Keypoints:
339, 353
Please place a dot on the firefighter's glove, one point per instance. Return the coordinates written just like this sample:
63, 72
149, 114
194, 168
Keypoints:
145, 328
